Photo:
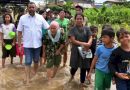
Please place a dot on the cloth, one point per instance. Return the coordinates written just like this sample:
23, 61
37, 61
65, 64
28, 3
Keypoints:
32, 30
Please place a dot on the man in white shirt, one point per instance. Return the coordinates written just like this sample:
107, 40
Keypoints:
30, 26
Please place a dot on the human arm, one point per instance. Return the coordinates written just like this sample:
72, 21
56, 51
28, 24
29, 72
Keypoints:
92, 66
113, 66
2, 35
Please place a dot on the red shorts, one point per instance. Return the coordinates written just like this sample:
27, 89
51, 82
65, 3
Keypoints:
18, 52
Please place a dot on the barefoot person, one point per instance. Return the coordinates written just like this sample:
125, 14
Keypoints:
53, 42
80, 36
30, 26
5, 30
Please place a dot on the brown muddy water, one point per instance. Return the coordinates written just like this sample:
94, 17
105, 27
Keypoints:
12, 77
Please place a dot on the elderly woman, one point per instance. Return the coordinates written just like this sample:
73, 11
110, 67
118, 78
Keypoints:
52, 46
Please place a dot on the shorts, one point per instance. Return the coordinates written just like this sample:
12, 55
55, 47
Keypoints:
7, 53
55, 61
102, 80
32, 54
18, 52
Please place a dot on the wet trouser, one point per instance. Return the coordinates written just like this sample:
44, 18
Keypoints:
82, 73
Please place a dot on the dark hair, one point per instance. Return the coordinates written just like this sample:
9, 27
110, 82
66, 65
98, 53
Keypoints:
61, 10
93, 28
31, 3
121, 32
106, 26
41, 12
80, 15
11, 19
78, 6
68, 12
108, 31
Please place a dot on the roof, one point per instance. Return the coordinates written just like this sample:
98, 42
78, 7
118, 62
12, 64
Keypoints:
15, 1
114, 1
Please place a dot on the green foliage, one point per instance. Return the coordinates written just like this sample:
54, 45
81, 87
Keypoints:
116, 14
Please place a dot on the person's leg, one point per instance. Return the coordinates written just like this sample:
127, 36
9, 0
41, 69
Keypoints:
4, 55
3, 62
28, 62
36, 58
99, 80
72, 72
27, 73
57, 62
11, 60
21, 59
107, 82
128, 85
65, 58
82, 76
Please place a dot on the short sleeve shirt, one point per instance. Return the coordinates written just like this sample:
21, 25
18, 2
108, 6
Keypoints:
6, 29
103, 55
32, 26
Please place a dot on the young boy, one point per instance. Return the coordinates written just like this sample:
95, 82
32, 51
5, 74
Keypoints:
101, 59
53, 42
119, 63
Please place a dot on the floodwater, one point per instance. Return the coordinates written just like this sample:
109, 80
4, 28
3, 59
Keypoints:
12, 77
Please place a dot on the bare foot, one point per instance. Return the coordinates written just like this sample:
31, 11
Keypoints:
83, 85
71, 78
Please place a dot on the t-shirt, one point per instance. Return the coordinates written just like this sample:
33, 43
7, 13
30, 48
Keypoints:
6, 29
103, 55
120, 61
64, 24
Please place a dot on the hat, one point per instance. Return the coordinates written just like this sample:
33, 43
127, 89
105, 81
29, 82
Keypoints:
48, 10
8, 46
12, 34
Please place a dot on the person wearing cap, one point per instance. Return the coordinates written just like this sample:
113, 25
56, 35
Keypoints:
64, 22
49, 14
30, 27
78, 9
7, 32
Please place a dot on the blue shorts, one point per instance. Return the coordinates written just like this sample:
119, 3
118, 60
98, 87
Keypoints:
32, 54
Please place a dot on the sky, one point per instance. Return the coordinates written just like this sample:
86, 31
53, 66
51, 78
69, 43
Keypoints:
97, 1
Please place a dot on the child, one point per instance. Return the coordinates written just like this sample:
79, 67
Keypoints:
119, 63
106, 26
94, 31
5, 29
80, 36
101, 59
20, 52
53, 42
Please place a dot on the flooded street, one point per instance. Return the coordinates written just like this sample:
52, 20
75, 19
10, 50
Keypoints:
12, 78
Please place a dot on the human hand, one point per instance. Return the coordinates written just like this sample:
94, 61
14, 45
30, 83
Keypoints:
3, 44
13, 44
57, 52
122, 76
89, 76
